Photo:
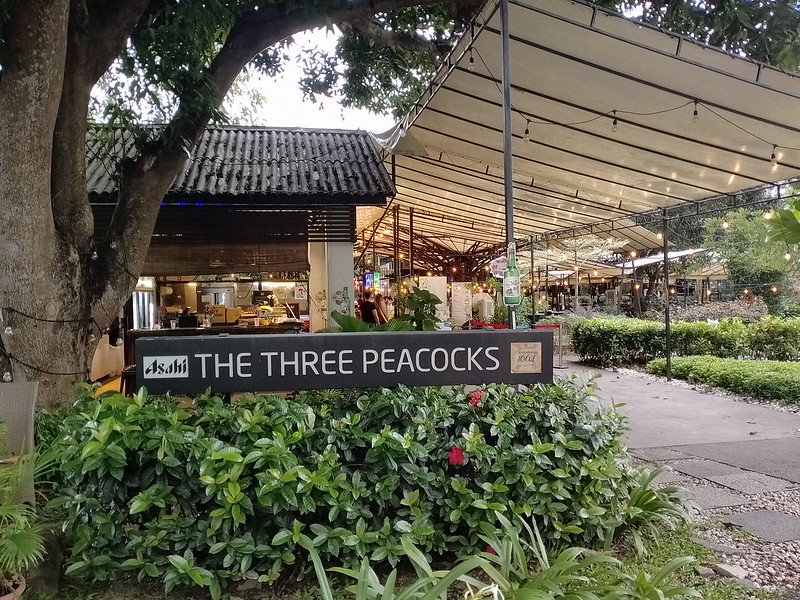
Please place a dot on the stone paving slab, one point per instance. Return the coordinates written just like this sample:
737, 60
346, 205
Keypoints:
752, 483
769, 525
705, 469
659, 454
670, 477
712, 497
776, 457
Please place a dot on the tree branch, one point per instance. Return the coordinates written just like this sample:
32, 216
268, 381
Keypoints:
96, 36
416, 43
146, 180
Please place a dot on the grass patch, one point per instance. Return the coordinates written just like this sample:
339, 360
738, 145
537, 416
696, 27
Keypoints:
673, 544
765, 379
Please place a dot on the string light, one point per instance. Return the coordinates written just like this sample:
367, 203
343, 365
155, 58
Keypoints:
788, 256
768, 215
527, 136
725, 224
695, 116
633, 253
614, 123
773, 160
774, 289
471, 64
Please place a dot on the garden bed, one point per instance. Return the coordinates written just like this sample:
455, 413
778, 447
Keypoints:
212, 494
768, 380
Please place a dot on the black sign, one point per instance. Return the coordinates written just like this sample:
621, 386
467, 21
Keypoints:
263, 363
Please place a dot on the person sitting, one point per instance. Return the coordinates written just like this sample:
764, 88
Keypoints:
369, 312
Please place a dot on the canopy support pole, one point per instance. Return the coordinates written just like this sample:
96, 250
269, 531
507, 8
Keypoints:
411, 245
667, 332
533, 291
508, 183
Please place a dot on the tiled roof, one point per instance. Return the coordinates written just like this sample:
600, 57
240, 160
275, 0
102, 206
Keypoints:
263, 164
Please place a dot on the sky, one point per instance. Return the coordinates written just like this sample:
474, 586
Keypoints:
284, 105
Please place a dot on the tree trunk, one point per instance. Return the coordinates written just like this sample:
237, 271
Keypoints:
46, 325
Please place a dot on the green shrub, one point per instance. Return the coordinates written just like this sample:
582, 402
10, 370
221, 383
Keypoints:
773, 338
770, 380
725, 339
612, 342
749, 309
210, 493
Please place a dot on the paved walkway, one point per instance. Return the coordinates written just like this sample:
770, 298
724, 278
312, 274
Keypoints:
738, 452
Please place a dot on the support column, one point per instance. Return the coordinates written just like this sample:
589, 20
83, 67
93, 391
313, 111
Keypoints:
508, 172
330, 281
667, 328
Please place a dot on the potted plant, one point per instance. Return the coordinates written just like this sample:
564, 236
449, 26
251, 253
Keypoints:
21, 541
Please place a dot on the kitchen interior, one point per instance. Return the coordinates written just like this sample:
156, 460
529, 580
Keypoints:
186, 306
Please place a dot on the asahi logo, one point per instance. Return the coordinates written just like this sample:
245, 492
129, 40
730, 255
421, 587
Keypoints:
526, 357
164, 367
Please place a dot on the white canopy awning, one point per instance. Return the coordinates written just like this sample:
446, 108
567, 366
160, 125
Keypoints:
609, 108
657, 258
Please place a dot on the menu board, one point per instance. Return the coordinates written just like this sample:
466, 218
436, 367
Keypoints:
461, 302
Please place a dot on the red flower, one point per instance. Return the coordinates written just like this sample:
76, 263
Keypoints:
456, 456
475, 398
490, 550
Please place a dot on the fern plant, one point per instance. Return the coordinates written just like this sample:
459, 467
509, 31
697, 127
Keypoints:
350, 324
648, 509
522, 569
21, 542
429, 585
641, 586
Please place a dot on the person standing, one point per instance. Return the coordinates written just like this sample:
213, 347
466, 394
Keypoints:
380, 305
369, 312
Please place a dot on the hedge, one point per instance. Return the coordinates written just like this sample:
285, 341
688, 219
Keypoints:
152, 486
770, 380
612, 342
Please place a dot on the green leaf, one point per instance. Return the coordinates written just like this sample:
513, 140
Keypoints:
281, 537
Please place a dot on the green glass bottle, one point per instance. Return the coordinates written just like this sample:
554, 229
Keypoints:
512, 295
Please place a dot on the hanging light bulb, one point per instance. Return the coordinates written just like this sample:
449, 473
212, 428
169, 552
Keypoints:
7, 377
695, 116
471, 64
773, 160
787, 256
527, 136
614, 123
